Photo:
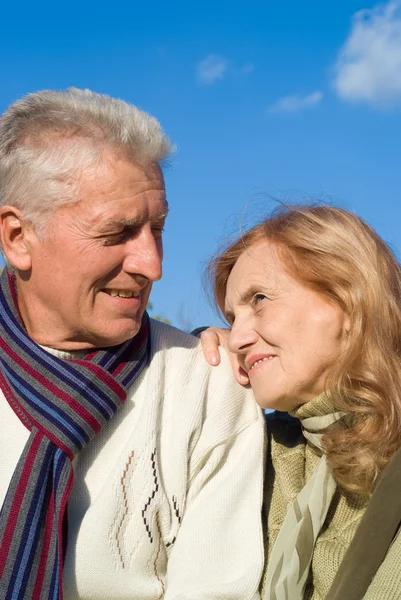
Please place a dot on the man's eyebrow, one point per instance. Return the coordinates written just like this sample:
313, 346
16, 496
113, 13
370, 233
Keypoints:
163, 214
136, 222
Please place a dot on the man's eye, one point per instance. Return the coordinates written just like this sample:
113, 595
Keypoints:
115, 238
157, 231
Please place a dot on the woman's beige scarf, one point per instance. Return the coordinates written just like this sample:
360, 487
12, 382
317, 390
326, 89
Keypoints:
292, 554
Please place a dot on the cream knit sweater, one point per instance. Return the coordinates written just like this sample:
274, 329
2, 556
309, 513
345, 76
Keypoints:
166, 500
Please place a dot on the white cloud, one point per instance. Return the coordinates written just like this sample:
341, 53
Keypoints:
247, 68
292, 104
211, 68
368, 68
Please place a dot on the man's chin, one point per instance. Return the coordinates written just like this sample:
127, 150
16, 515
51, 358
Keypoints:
116, 340
118, 335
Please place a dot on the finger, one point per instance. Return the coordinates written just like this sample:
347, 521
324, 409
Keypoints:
240, 375
210, 346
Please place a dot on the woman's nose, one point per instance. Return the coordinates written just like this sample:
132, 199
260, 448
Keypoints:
242, 335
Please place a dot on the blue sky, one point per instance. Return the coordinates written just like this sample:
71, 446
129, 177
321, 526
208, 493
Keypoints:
268, 99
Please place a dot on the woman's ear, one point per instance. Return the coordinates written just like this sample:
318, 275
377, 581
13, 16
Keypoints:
14, 233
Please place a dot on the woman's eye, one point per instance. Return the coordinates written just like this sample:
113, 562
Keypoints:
258, 298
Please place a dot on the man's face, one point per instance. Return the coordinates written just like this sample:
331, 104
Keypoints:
92, 273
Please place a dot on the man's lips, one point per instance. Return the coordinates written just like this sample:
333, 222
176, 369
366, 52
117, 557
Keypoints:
121, 293
126, 301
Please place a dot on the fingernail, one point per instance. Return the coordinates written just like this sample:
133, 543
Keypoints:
214, 359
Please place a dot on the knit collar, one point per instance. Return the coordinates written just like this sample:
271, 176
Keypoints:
316, 417
67, 354
320, 406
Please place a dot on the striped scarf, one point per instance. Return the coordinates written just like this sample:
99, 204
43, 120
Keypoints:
64, 404
291, 558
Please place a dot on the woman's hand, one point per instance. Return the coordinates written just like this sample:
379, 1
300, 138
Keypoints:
211, 339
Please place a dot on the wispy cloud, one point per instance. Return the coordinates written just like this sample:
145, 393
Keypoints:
293, 104
247, 68
368, 68
210, 69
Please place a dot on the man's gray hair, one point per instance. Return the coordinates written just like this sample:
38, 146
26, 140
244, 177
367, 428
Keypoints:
49, 137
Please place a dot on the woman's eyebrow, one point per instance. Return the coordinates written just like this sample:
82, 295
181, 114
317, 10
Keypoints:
243, 299
229, 316
248, 294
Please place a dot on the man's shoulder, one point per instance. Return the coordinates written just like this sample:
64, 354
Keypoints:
178, 349
179, 357
165, 336
182, 353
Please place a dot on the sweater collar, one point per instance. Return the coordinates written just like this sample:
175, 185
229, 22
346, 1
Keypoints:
66, 354
316, 417
318, 407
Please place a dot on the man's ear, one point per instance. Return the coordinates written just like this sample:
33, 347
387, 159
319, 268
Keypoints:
14, 233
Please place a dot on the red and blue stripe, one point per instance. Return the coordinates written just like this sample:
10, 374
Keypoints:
64, 404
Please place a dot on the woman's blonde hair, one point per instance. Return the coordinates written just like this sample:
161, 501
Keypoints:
337, 254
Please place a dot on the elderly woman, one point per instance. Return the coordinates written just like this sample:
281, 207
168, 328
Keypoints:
313, 299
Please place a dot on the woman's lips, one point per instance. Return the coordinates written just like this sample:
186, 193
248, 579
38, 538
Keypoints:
254, 361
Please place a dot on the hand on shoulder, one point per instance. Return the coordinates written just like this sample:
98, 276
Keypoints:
211, 339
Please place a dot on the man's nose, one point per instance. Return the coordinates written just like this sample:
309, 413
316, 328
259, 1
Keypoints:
242, 336
143, 255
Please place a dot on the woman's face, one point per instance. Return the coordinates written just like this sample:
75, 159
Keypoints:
287, 336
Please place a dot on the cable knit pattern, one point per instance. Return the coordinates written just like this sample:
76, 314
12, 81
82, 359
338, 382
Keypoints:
166, 500
290, 464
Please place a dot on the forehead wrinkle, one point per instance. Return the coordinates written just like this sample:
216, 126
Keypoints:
134, 222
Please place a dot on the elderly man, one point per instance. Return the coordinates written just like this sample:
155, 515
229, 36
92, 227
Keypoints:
158, 456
